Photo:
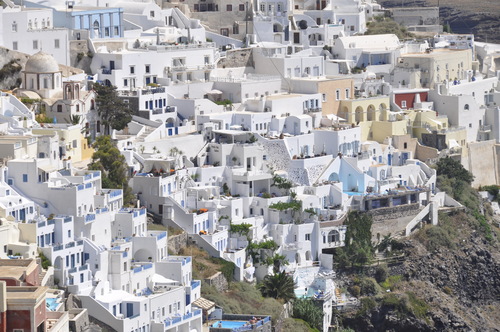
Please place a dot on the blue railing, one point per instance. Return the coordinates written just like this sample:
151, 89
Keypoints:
161, 235
90, 217
88, 185
125, 254
197, 312
176, 320
114, 193
96, 174
79, 242
195, 283
137, 269
68, 219
106, 71
41, 224
187, 316
59, 247
142, 211
72, 270
81, 187
51, 222
88, 177
147, 266
70, 245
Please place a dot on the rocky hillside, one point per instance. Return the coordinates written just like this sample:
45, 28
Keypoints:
482, 18
448, 281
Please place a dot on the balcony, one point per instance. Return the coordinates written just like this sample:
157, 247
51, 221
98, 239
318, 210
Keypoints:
485, 128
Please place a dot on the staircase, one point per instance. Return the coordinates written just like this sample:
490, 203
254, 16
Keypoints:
145, 134
41, 276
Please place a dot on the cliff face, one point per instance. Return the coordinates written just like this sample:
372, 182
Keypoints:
482, 18
450, 288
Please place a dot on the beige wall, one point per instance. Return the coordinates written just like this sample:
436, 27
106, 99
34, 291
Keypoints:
434, 67
364, 109
329, 89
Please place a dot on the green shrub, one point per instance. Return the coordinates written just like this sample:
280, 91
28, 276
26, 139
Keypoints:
391, 282
366, 304
381, 273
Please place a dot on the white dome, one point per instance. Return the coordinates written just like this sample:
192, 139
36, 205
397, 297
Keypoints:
41, 63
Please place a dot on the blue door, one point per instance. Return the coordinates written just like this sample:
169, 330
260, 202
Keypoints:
389, 159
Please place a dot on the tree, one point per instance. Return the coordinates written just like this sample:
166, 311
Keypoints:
453, 169
308, 311
74, 119
108, 159
358, 247
278, 286
113, 112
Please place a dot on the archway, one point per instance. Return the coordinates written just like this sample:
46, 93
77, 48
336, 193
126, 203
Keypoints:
308, 255
334, 177
371, 113
382, 111
96, 29
333, 236
359, 114
297, 258
142, 255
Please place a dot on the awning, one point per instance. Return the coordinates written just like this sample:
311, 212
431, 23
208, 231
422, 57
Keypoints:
157, 278
204, 304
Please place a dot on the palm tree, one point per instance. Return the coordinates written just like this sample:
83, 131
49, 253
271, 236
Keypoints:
278, 286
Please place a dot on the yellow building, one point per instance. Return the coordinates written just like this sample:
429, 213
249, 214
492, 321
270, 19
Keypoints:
423, 70
333, 90
74, 145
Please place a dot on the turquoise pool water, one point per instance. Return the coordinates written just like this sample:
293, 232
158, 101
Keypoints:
52, 304
228, 324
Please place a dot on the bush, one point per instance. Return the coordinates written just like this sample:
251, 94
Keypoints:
355, 290
381, 273
366, 305
308, 311
391, 283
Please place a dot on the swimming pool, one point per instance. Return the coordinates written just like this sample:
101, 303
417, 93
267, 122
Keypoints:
52, 303
229, 324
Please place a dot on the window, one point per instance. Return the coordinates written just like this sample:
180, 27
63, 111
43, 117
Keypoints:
337, 95
347, 94
81, 277
125, 82
403, 104
14, 46
229, 8
241, 7
262, 7
152, 13
224, 31
25, 177
308, 237
106, 32
236, 29
323, 97
59, 108
466, 107
116, 31
35, 44
56, 43
148, 68
69, 233
14, 26
132, 69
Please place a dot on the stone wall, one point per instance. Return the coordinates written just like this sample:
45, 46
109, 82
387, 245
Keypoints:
237, 58
401, 211
218, 281
482, 163
177, 242
83, 60
79, 320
